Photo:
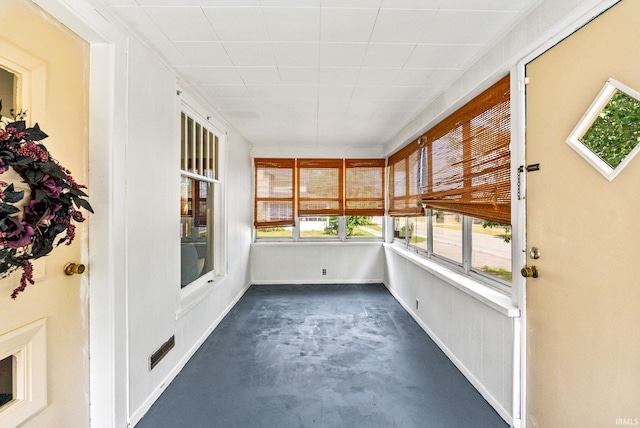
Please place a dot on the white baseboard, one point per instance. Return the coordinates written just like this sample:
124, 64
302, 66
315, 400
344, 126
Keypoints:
318, 281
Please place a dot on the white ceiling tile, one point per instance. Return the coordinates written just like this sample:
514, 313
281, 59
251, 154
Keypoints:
295, 24
204, 54
182, 23
259, 75
340, 76
249, 54
170, 53
335, 92
307, 105
300, 92
235, 104
377, 76
464, 27
238, 23
227, 91
140, 22
122, 2
413, 4
270, 92
347, 25
387, 55
352, 3
400, 25
308, 73
211, 75
427, 77
504, 5
442, 56
342, 54
199, 3
296, 54
290, 3
298, 75
333, 107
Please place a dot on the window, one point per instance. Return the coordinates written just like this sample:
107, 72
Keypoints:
7, 368
319, 198
7, 92
461, 171
199, 179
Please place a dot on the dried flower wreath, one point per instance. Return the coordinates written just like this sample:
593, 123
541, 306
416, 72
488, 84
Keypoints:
32, 231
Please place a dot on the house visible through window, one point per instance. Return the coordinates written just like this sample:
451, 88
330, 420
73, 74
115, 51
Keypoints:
199, 178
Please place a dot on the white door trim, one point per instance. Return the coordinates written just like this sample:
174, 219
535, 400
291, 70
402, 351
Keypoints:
108, 325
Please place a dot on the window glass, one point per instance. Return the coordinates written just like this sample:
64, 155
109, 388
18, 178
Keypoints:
399, 228
6, 379
364, 226
319, 227
7, 92
195, 238
447, 235
418, 232
491, 248
275, 232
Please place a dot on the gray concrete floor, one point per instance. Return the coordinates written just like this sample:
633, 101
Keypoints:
320, 356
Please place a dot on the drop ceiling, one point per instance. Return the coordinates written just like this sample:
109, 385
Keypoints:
308, 73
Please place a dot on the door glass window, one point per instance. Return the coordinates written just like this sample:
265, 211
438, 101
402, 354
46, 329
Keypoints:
6, 379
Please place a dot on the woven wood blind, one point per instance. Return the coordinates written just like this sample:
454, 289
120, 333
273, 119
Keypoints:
404, 192
466, 158
274, 194
364, 187
320, 187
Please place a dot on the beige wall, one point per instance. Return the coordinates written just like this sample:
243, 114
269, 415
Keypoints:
61, 111
584, 310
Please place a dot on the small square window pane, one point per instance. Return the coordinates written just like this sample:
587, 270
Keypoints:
491, 248
7, 368
447, 235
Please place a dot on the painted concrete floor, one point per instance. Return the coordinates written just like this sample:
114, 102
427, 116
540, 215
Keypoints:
320, 356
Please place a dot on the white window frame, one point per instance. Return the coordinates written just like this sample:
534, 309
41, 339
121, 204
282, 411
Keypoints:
28, 344
341, 237
466, 267
197, 290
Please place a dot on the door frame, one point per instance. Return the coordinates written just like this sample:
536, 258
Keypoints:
107, 284
575, 20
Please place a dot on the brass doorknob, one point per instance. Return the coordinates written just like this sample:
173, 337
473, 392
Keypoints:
529, 272
73, 268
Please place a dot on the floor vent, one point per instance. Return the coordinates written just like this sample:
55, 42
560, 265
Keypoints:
167, 346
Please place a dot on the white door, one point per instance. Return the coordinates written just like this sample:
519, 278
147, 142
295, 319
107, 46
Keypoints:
51, 67
583, 333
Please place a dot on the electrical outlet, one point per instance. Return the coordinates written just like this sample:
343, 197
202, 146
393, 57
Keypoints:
324, 271
417, 304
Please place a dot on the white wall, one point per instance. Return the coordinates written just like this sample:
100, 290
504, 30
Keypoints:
302, 262
153, 243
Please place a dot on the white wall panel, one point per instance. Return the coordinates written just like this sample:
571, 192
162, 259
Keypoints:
302, 262
477, 337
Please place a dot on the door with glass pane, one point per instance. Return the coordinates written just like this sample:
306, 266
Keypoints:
583, 335
44, 336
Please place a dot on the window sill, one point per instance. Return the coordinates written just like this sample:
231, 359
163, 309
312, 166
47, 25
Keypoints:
490, 297
197, 291
314, 243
